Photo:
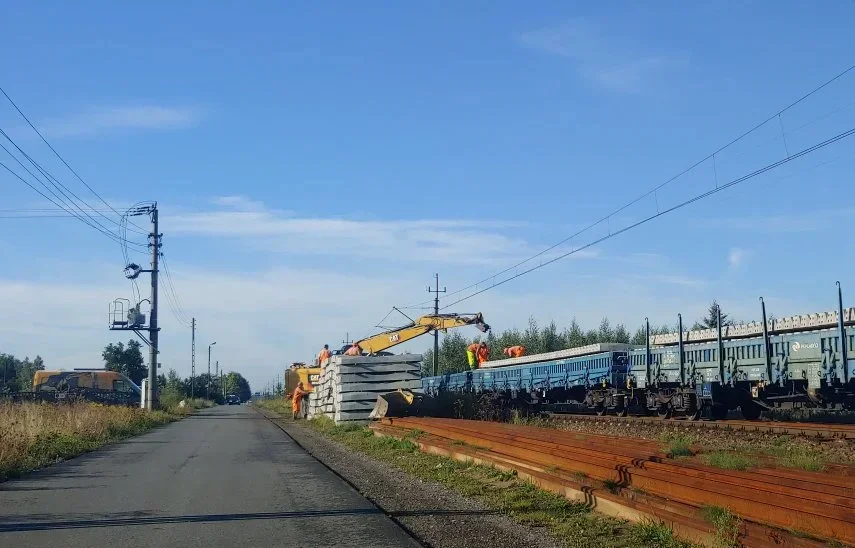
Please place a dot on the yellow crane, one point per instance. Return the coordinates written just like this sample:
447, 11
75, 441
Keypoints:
420, 326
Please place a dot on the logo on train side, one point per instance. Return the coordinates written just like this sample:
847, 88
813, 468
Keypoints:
799, 346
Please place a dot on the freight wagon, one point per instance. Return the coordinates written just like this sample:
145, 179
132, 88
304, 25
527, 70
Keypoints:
796, 361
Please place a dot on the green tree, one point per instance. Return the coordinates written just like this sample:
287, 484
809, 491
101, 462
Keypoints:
127, 360
711, 319
26, 370
574, 336
621, 335
236, 384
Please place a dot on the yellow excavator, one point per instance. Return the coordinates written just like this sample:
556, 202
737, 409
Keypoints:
420, 326
400, 402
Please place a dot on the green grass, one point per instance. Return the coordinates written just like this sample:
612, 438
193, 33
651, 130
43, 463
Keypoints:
726, 525
579, 476
612, 486
676, 445
503, 491
729, 460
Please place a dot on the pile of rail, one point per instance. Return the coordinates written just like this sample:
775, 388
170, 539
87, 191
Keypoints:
633, 479
807, 429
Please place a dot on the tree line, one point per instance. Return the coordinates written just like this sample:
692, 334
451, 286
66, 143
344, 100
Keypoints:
128, 360
538, 340
17, 375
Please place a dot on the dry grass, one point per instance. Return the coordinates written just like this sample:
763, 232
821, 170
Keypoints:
33, 435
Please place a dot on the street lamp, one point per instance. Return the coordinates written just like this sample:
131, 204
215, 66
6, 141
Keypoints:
208, 391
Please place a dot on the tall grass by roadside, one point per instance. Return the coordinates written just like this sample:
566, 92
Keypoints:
34, 435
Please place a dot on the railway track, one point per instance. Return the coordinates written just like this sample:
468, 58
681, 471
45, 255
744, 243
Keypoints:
633, 479
810, 429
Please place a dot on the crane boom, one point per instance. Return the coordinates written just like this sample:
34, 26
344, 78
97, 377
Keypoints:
420, 326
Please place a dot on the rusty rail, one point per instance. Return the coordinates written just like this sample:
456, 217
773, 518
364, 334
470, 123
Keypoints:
809, 429
822, 505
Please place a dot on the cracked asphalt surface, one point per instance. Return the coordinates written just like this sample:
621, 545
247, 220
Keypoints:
222, 477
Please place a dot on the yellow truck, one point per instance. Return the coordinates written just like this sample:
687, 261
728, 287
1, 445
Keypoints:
91, 384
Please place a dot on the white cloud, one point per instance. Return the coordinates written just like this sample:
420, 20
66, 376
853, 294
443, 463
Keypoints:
736, 257
604, 61
100, 120
239, 203
434, 240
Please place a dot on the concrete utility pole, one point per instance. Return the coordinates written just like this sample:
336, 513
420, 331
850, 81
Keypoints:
193, 360
436, 293
208, 390
154, 243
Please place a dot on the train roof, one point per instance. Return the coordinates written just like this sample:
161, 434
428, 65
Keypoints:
561, 354
803, 322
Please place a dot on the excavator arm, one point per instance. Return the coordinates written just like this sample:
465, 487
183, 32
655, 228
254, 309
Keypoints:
425, 324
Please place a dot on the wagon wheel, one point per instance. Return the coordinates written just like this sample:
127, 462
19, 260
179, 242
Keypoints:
621, 408
751, 411
696, 413
664, 411
600, 409
718, 412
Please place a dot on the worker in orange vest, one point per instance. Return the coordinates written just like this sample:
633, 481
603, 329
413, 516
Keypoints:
297, 400
514, 351
479, 352
471, 352
354, 350
324, 355
483, 353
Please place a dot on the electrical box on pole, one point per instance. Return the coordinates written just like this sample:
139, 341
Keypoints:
127, 316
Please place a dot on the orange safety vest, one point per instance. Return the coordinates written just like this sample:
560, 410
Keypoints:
353, 351
297, 400
515, 351
323, 355
483, 354
474, 348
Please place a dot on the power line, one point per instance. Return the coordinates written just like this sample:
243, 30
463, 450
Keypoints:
79, 178
696, 198
179, 312
57, 184
650, 192
100, 229
65, 200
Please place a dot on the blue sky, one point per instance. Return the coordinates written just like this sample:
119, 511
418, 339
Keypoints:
317, 163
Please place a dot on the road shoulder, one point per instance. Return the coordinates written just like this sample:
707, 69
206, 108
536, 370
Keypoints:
432, 513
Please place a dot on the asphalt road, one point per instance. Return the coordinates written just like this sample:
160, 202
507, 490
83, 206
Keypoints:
223, 477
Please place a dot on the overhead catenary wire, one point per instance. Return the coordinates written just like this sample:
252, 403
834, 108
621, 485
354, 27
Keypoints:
648, 193
701, 196
63, 189
58, 155
179, 311
84, 220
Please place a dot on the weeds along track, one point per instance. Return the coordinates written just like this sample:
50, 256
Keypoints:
810, 429
635, 479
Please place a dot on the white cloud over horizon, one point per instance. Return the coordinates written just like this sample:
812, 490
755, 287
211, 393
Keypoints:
606, 61
472, 242
107, 119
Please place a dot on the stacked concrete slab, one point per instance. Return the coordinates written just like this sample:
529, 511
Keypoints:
349, 385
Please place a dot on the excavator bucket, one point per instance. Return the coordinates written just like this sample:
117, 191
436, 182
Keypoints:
400, 403
482, 327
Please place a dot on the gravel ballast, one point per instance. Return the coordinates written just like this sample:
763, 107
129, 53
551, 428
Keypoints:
435, 515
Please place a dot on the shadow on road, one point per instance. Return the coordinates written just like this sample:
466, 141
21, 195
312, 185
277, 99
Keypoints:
41, 522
